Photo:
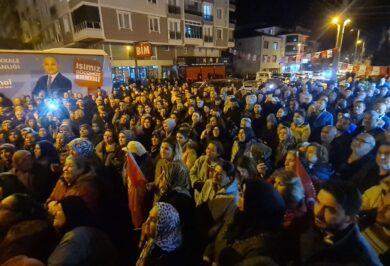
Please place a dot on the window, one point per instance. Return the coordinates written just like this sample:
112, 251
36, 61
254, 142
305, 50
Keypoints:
124, 20
219, 13
207, 12
219, 34
274, 58
193, 30
185, 50
276, 46
291, 48
152, 1
231, 36
174, 29
265, 58
265, 44
208, 34
66, 24
292, 38
154, 24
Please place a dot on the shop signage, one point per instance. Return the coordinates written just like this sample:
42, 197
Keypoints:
143, 49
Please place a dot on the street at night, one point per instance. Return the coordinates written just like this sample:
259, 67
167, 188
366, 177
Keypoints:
194, 132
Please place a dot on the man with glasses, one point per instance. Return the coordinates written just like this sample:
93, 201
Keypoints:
360, 160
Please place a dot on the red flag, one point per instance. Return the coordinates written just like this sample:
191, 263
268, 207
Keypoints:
136, 188
307, 183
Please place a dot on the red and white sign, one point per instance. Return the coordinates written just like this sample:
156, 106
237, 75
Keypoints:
143, 49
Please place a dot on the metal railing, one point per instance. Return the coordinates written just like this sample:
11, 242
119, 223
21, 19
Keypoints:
194, 10
208, 38
208, 17
87, 25
172, 9
174, 35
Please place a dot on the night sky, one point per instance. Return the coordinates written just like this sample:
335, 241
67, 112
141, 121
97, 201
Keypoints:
371, 16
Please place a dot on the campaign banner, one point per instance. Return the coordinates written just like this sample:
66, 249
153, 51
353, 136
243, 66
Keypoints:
31, 73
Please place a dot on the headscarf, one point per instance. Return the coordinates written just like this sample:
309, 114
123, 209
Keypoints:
48, 152
168, 233
136, 148
129, 135
177, 177
171, 123
84, 148
249, 134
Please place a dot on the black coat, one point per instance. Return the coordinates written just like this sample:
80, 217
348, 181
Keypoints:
350, 248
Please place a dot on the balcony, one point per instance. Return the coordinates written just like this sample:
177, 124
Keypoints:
193, 10
88, 31
208, 17
174, 35
208, 38
172, 9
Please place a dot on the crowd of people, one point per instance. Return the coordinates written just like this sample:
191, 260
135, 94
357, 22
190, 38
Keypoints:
169, 173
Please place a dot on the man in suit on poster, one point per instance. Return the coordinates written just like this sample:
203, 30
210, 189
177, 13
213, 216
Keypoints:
54, 84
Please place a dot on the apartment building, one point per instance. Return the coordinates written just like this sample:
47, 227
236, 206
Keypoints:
187, 36
258, 53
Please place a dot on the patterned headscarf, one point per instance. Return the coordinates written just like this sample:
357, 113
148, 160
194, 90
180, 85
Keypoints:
83, 148
168, 235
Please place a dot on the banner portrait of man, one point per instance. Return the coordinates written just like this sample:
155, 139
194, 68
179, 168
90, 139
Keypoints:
53, 83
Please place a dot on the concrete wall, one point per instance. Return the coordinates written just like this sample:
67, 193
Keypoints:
140, 28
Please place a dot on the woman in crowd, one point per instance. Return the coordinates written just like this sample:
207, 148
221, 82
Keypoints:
286, 142
299, 128
205, 165
243, 144
162, 239
254, 229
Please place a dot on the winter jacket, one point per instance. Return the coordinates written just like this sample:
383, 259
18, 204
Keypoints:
201, 170
350, 248
300, 133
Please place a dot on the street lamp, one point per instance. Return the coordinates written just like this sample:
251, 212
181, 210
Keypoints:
336, 21
346, 22
363, 43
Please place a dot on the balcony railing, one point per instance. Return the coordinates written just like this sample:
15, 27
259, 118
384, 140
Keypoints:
194, 10
208, 38
87, 25
208, 17
172, 9
174, 35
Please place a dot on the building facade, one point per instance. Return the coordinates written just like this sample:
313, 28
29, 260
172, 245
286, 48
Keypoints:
258, 53
185, 34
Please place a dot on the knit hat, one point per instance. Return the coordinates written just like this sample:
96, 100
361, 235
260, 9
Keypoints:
82, 147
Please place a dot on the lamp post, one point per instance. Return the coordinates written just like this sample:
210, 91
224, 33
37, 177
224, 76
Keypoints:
339, 42
355, 55
363, 43
335, 21
345, 23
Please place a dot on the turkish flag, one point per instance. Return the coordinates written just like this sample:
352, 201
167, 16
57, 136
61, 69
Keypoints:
307, 183
136, 191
